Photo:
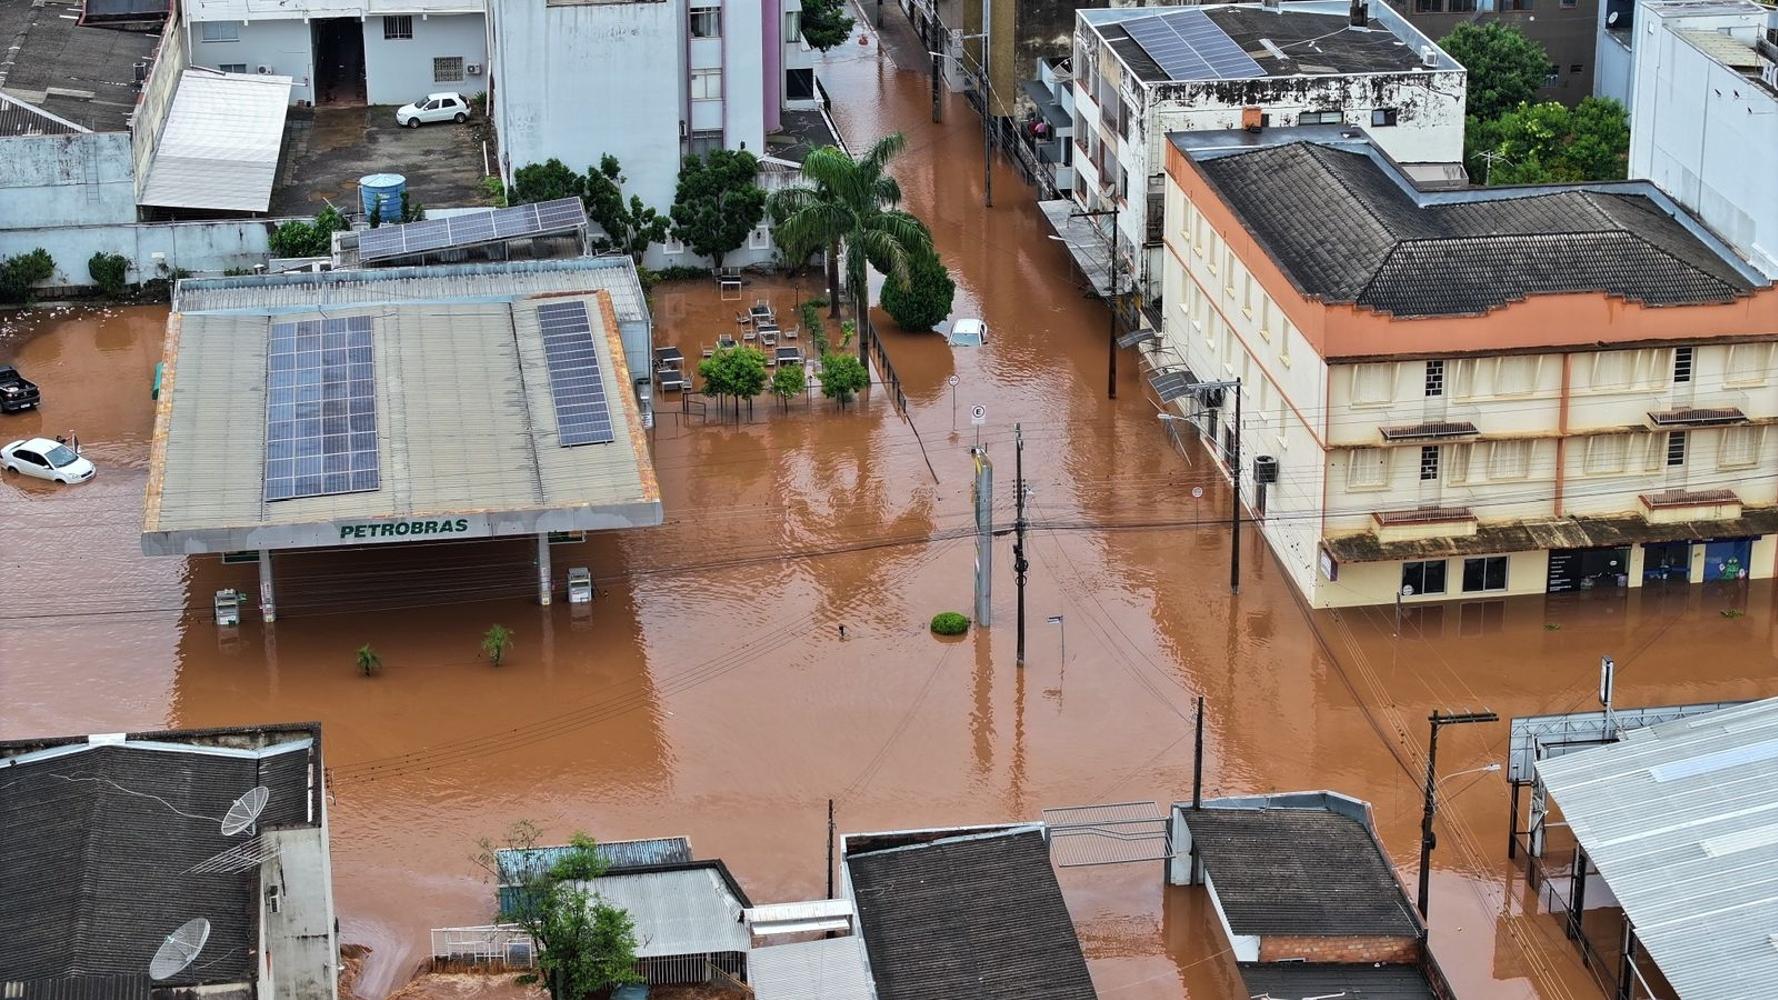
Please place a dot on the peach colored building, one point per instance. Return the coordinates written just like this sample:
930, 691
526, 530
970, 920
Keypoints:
1469, 392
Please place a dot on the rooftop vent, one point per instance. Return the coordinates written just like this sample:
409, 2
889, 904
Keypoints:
1359, 15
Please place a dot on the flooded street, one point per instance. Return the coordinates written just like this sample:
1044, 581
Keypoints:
708, 691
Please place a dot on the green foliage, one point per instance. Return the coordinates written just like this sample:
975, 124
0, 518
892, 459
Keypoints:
410, 211
545, 181
496, 643
582, 862
311, 239
788, 381
678, 273
20, 271
842, 377
734, 371
924, 300
1505, 67
825, 23
236, 272
1731, 612
717, 203
110, 271
494, 189
629, 226
1551, 142
368, 661
812, 324
329, 220
848, 330
950, 623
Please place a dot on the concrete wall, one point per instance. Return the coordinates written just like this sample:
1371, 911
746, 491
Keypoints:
1613, 65
1566, 31
744, 75
170, 62
301, 951
287, 46
194, 246
398, 71
1317, 948
83, 179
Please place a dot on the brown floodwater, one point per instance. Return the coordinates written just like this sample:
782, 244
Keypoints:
707, 691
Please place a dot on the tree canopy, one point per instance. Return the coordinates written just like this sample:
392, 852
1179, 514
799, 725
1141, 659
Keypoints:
630, 226
1551, 142
734, 371
546, 181
825, 23
924, 300
717, 203
842, 377
1505, 67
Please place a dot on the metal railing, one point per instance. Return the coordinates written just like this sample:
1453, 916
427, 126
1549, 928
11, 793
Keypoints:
504, 945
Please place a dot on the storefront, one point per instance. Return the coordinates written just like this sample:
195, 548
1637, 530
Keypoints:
1588, 569
1666, 562
1728, 558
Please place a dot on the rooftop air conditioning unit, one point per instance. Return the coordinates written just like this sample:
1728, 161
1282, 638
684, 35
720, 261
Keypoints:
473, 69
263, 70
1429, 56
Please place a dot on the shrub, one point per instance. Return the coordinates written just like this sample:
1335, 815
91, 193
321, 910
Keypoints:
310, 239
816, 328
842, 377
494, 189
950, 623
788, 381
679, 273
19, 272
925, 300
110, 271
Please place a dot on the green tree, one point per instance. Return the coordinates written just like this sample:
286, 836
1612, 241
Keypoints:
629, 226
788, 381
496, 643
308, 239
735, 371
718, 202
110, 271
1505, 67
1551, 142
842, 377
852, 201
585, 945
924, 300
546, 181
825, 23
368, 661
20, 271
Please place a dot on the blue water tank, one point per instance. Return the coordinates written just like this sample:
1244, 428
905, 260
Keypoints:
384, 190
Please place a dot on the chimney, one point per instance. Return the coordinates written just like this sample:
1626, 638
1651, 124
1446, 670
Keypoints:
1253, 119
1360, 17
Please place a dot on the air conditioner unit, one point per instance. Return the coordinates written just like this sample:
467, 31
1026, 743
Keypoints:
263, 70
473, 69
1429, 56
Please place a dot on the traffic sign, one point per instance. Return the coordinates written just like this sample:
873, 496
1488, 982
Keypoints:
978, 414
952, 381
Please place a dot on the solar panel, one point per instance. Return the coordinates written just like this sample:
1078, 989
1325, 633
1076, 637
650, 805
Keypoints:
320, 409
582, 414
1188, 45
453, 232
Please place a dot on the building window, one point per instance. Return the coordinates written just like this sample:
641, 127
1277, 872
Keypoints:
703, 142
1428, 463
1484, 574
759, 239
221, 31
1675, 448
1682, 364
1435, 378
1554, 76
1367, 468
1424, 577
799, 84
1373, 384
447, 69
793, 26
1460, 7
706, 22
672, 247
1428, 6
235, 68
1383, 116
1740, 447
1319, 118
1509, 460
1574, 67
1515, 4
706, 84
398, 26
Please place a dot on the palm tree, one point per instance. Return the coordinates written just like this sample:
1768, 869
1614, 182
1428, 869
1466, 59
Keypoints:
495, 642
368, 660
852, 202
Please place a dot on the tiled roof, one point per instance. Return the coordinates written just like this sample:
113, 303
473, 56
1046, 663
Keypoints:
1298, 872
1321, 980
1347, 232
976, 916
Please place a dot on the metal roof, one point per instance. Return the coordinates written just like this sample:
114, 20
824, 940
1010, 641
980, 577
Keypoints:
289, 10
682, 911
1682, 821
830, 969
219, 147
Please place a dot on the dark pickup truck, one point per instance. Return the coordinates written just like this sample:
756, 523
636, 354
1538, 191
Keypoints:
16, 391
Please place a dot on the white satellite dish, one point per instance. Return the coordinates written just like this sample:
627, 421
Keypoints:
244, 810
178, 950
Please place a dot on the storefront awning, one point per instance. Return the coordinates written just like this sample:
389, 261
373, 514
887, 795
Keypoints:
219, 148
1085, 242
1552, 533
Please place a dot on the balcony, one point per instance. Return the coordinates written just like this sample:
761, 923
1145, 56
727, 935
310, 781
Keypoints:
1672, 506
1424, 522
1693, 417
1448, 431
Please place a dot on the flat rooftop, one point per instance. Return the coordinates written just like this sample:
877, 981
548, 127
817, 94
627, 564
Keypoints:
1330, 980
1248, 41
1347, 226
289, 419
250, 10
80, 73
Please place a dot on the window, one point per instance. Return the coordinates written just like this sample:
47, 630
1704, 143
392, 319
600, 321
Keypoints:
1428, 6
1573, 68
1247, 294
1428, 463
1319, 118
1509, 460
1384, 116
1552, 76
1607, 454
793, 26
1284, 344
1373, 385
759, 239
706, 22
236, 68
1460, 7
1484, 574
672, 247
1682, 364
706, 84
799, 84
1515, 4
221, 31
1435, 378
1368, 469
447, 69
1675, 448
1424, 577
703, 142
1456, 463
1748, 364
1514, 376
398, 26
1740, 447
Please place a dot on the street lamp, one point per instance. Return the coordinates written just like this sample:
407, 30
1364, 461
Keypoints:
1427, 840
1228, 385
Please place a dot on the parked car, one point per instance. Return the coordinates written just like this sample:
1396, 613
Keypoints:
968, 333
16, 391
41, 458
433, 108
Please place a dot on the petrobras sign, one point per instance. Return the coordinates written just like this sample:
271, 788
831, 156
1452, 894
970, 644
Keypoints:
389, 530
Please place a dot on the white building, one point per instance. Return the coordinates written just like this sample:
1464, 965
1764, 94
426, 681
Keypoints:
1701, 81
1140, 73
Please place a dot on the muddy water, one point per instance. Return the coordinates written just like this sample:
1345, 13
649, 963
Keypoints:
708, 692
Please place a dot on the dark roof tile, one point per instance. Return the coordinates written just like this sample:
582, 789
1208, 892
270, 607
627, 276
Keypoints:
1321, 980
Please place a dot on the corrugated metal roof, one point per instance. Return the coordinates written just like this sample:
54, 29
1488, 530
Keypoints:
682, 912
18, 118
1682, 821
515, 862
219, 148
830, 969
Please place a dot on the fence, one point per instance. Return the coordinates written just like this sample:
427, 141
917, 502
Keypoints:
505, 946
1553, 877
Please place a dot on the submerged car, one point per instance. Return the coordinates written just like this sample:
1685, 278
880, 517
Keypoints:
433, 108
968, 333
17, 392
41, 458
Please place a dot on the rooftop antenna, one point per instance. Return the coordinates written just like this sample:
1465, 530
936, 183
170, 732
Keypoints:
244, 811
179, 949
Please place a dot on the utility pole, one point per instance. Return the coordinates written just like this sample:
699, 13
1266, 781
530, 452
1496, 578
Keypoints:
938, 104
984, 540
1229, 385
1427, 840
1019, 565
829, 848
987, 107
1111, 298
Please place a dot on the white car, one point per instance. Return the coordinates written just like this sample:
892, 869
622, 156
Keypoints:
969, 333
433, 108
41, 458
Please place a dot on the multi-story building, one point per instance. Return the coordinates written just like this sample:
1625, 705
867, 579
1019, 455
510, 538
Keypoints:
1467, 392
1563, 27
1701, 82
1140, 73
1050, 129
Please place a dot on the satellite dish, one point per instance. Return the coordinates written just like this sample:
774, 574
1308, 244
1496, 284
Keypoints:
244, 810
178, 950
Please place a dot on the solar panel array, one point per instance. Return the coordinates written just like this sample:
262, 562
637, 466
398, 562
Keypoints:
1187, 45
320, 409
583, 416
457, 231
